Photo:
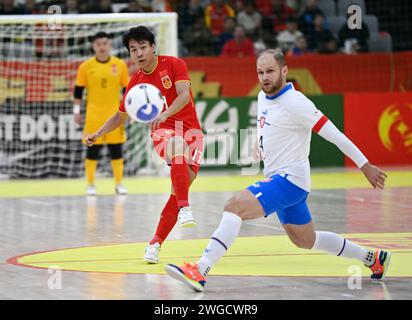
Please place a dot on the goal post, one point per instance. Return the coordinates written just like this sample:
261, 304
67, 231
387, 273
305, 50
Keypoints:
39, 56
72, 26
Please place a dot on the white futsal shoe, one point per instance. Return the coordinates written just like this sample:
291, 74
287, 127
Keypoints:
121, 190
185, 217
91, 190
151, 254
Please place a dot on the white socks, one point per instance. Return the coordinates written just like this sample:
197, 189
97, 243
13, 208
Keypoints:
229, 227
338, 246
221, 240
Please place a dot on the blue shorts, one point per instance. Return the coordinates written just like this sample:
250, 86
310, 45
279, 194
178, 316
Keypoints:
278, 194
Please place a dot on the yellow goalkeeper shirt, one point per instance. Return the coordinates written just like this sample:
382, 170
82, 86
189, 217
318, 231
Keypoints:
103, 82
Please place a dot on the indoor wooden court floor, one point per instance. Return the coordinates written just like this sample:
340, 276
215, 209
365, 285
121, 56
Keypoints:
57, 243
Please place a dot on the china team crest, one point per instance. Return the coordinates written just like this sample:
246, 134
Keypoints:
167, 83
114, 69
262, 121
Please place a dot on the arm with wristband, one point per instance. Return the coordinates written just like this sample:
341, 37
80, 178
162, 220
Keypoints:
78, 93
81, 83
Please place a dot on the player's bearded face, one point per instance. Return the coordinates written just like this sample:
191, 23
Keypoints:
272, 84
271, 75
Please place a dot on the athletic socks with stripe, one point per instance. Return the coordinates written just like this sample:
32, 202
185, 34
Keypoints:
229, 227
221, 240
336, 245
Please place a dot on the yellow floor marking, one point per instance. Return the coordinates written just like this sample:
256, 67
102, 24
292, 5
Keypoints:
160, 185
252, 256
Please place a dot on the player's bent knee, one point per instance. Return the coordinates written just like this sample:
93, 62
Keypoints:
231, 206
305, 245
302, 243
244, 206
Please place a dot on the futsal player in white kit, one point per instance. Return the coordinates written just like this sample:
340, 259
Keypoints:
285, 121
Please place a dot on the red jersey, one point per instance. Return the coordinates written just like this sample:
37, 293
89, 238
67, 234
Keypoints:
279, 16
234, 49
215, 17
164, 76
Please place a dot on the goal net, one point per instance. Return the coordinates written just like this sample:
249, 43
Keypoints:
39, 56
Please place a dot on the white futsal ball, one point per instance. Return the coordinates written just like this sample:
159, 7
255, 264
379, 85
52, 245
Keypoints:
144, 102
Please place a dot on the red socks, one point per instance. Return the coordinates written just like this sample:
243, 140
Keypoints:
167, 221
180, 176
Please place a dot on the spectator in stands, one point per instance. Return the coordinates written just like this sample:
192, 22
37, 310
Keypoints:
42, 7
30, 7
237, 5
250, 19
71, 7
318, 35
278, 12
287, 38
133, 6
300, 47
266, 38
264, 5
227, 34
198, 40
105, 6
155, 5
353, 41
215, 15
160, 6
239, 46
307, 17
330, 47
83, 6
88, 6
188, 13
8, 7
294, 4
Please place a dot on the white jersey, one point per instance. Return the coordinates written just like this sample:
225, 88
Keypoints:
284, 124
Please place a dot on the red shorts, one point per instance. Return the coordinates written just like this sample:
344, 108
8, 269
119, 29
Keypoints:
193, 138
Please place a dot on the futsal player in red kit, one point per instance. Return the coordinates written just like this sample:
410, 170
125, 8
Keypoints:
176, 132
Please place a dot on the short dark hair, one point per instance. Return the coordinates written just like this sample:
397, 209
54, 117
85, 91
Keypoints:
100, 34
291, 19
140, 33
276, 54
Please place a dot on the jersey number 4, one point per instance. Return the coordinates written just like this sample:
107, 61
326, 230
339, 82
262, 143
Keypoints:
261, 143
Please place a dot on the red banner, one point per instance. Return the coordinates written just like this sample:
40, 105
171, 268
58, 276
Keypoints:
314, 74
380, 124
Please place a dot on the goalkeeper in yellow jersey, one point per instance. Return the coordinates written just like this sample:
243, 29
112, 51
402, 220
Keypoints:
103, 77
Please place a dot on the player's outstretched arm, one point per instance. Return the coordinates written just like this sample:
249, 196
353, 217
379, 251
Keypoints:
182, 99
374, 175
113, 123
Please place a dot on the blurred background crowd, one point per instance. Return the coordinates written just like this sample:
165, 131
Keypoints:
245, 27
